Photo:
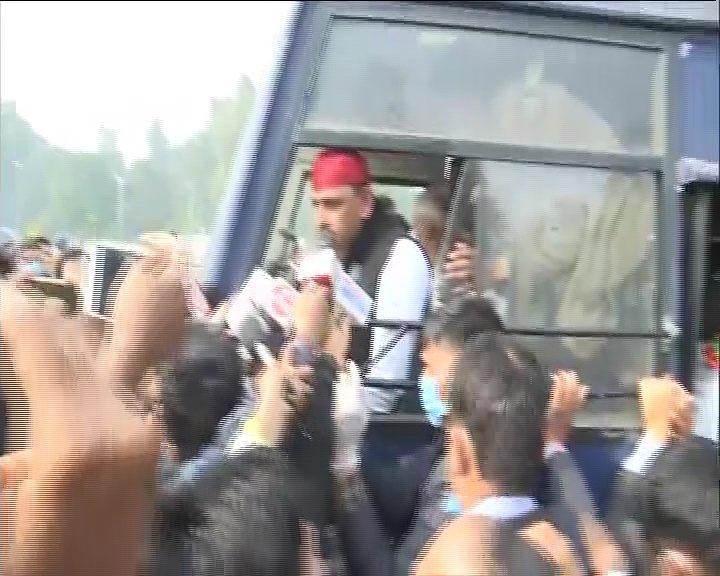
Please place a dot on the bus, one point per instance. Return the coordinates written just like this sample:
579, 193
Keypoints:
582, 135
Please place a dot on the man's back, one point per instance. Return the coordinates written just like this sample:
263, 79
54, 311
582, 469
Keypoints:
479, 546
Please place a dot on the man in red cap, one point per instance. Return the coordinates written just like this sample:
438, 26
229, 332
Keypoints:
376, 248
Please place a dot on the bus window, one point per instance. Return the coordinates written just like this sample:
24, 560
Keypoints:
399, 178
578, 245
490, 86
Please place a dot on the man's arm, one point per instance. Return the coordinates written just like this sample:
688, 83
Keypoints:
666, 410
430, 516
403, 292
368, 549
310, 442
395, 484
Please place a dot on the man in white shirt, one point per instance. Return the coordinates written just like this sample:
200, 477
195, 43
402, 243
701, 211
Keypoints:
375, 247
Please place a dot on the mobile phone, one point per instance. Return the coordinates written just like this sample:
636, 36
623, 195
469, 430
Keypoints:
107, 266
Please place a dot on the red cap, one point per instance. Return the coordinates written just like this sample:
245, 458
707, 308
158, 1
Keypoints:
336, 167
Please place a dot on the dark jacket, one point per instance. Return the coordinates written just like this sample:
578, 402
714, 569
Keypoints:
372, 551
310, 444
367, 258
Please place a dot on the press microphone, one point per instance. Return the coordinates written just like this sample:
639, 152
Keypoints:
261, 312
323, 267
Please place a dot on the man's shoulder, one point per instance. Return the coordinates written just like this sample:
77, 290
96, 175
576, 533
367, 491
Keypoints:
408, 250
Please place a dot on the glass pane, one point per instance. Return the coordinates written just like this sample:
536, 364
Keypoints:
490, 86
566, 248
615, 365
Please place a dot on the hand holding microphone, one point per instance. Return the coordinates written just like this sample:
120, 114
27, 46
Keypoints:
323, 268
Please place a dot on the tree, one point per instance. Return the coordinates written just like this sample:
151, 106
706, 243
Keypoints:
77, 192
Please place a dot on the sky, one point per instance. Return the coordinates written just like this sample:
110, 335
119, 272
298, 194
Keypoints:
74, 67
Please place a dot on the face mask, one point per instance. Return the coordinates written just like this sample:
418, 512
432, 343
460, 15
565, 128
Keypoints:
35, 268
453, 506
434, 407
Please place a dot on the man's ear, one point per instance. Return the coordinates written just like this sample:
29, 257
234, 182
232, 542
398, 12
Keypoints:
461, 453
367, 201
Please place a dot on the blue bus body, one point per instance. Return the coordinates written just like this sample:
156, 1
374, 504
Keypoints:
686, 33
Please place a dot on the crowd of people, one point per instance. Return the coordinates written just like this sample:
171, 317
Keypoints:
154, 448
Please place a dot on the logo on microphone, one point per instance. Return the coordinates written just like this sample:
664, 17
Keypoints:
282, 302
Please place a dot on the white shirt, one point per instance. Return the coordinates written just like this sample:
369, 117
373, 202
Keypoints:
646, 451
403, 290
504, 507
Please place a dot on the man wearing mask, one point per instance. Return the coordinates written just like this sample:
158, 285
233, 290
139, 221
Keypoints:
375, 247
408, 502
40, 256
496, 421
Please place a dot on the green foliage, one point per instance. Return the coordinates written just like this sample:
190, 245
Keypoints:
48, 190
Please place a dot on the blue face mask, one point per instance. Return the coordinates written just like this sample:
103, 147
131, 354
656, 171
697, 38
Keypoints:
435, 408
453, 506
35, 268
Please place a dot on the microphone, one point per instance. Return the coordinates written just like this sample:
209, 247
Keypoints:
323, 267
261, 312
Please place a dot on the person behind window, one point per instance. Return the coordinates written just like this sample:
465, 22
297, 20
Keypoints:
429, 218
375, 247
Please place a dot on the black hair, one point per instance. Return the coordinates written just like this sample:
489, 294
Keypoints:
7, 260
240, 519
500, 393
683, 498
433, 206
32, 242
460, 319
200, 387
384, 203
438, 196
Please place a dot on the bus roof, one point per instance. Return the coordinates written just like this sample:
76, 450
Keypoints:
693, 170
699, 15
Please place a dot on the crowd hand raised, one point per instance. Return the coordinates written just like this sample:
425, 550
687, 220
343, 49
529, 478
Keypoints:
554, 547
312, 314
566, 398
90, 458
149, 311
351, 417
606, 556
283, 389
666, 408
